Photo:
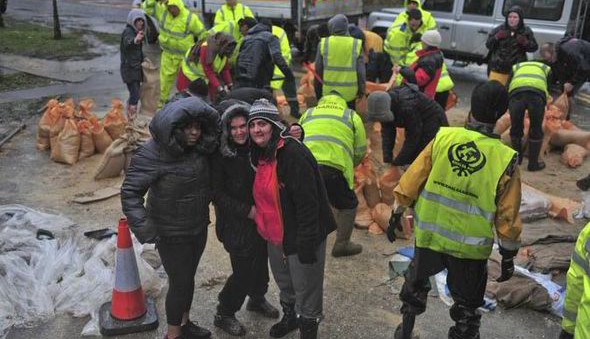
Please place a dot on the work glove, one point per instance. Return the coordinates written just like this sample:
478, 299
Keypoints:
522, 40
416, 37
501, 34
307, 257
507, 269
394, 222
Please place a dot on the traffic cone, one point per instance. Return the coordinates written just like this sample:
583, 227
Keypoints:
129, 311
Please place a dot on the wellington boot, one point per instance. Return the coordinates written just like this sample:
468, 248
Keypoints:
517, 146
308, 328
534, 151
287, 324
343, 246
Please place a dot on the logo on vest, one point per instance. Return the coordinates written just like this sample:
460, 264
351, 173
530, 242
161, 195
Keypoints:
466, 159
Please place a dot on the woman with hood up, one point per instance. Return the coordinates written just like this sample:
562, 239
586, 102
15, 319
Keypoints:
132, 57
293, 215
508, 45
173, 168
209, 60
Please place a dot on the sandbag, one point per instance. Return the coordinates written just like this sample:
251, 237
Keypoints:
552, 122
560, 208
502, 124
85, 108
564, 137
113, 161
370, 186
371, 87
67, 144
102, 140
452, 100
114, 122
363, 216
567, 124
381, 214
533, 204
308, 93
149, 93
87, 147
375, 229
387, 183
48, 119
400, 138
562, 103
573, 155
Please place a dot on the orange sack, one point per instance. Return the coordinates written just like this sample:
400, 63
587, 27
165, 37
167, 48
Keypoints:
562, 103
47, 120
87, 147
381, 214
573, 155
67, 145
115, 121
387, 183
102, 140
564, 137
374, 228
85, 108
502, 124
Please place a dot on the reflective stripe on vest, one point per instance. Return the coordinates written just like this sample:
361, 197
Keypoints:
581, 262
529, 74
278, 77
176, 34
345, 118
340, 54
455, 211
330, 139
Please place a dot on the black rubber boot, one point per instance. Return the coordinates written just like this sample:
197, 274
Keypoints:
534, 152
405, 329
584, 184
467, 322
308, 328
228, 323
262, 306
287, 324
517, 146
192, 330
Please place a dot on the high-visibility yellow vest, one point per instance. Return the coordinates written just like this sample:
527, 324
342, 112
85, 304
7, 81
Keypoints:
194, 69
225, 13
456, 210
335, 135
340, 54
285, 52
427, 18
576, 309
154, 8
530, 74
178, 34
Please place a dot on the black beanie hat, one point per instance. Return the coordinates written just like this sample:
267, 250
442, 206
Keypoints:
489, 100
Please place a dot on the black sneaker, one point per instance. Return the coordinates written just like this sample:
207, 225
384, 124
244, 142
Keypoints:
192, 330
263, 307
230, 325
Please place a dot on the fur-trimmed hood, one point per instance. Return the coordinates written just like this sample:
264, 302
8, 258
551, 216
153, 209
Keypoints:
231, 108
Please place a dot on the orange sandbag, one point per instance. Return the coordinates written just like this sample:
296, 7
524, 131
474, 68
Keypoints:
308, 92
452, 100
48, 119
373, 87
560, 208
375, 229
381, 214
370, 186
63, 111
114, 122
363, 216
502, 124
387, 183
573, 155
87, 147
564, 137
552, 123
67, 145
85, 110
563, 104
102, 140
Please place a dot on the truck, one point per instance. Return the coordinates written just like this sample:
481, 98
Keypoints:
464, 25
295, 16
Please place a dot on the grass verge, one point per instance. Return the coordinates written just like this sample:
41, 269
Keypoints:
12, 82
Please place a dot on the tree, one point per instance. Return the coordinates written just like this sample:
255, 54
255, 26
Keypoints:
3, 4
56, 26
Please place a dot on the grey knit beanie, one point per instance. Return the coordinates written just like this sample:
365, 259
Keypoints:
263, 109
379, 107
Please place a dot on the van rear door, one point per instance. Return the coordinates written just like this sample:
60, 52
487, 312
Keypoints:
475, 20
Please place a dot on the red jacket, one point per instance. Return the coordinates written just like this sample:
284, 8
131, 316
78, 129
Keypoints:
425, 72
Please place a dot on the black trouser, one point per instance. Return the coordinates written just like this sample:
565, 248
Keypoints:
441, 98
133, 88
466, 279
339, 193
535, 104
249, 278
180, 258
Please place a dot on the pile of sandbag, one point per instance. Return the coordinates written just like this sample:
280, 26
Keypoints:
73, 133
558, 132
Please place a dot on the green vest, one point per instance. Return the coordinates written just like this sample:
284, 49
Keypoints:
455, 211
285, 52
530, 74
340, 54
335, 135
193, 70
175, 36
576, 308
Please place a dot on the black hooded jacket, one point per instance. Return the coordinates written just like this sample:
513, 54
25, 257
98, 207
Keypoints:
232, 181
573, 60
131, 53
176, 178
420, 116
506, 52
260, 51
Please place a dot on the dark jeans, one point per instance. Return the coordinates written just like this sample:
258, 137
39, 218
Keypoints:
441, 98
249, 278
290, 90
535, 104
466, 279
133, 88
180, 258
339, 193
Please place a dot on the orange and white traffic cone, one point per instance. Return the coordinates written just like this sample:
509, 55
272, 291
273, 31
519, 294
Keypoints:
129, 311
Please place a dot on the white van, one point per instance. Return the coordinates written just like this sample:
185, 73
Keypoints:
464, 24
